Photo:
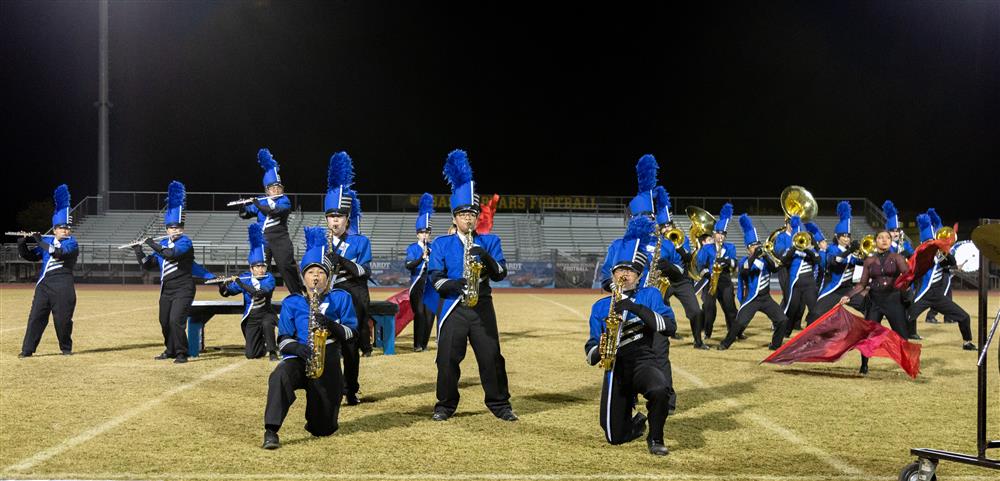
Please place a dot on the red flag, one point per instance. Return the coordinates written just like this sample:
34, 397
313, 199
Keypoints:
923, 259
405, 314
837, 332
485, 224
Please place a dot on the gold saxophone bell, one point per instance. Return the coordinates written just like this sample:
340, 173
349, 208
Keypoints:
796, 200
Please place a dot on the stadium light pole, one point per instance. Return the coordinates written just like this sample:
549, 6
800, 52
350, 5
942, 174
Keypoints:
103, 106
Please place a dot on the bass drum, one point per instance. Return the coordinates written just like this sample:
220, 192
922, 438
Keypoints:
966, 256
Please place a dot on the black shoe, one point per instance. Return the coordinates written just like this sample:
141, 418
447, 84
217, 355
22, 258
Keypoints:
418, 349
702, 346
508, 415
440, 416
741, 337
671, 411
273, 357
67, 353
22, 355
932, 320
677, 337
181, 359
162, 356
863, 371
949, 321
772, 347
657, 448
914, 337
638, 426
721, 347
969, 346
271, 440
352, 399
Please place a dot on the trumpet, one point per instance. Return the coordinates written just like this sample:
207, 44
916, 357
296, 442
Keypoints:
21, 233
141, 241
802, 241
250, 200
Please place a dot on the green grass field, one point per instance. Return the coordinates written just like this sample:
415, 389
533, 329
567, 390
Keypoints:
111, 412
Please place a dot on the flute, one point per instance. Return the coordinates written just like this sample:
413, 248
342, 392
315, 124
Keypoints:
251, 199
21, 233
141, 241
225, 280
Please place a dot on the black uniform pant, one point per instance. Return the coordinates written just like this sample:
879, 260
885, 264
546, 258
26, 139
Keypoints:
800, 296
279, 248
723, 294
175, 305
684, 292
58, 297
323, 395
476, 326
761, 303
422, 316
258, 332
888, 304
661, 346
831, 299
352, 348
936, 298
634, 373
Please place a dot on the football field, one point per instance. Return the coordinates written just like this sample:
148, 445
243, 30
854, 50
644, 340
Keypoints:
112, 412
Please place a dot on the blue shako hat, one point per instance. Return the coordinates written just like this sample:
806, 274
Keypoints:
814, 230
935, 219
722, 224
891, 215
631, 252
844, 212
644, 202
458, 173
795, 222
315, 254
270, 166
925, 226
174, 215
425, 208
354, 224
749, 231
255, 237
60, 217
339, 178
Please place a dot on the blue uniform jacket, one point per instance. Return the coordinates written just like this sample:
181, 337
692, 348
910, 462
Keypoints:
754, 278
840, 264
264, 285
414, 252
647, 296
448, 262
276, 216
293, 323
706, 256
57, 260
357, 249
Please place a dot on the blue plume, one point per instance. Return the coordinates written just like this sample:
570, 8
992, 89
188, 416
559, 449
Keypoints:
315, 237
813, 229
661, 199
727, 211
426, 205
255, 235
639, 227
457, 170
175, 195
844, 210
341, 171
266, 160
645, 171
935, 218
746, 223
795, 222
889, 209
61, 196
923, 221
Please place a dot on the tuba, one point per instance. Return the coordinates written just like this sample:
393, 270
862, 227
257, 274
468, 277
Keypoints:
701, 223
471, 271
317, 337
609, 338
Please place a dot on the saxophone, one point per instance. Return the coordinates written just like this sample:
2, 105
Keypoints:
609, 338
471, 271
317, 338
713, 285
655, 277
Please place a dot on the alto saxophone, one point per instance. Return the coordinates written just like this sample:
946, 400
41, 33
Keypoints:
713, 285
317, 338
471, 270
655, 277
609, 338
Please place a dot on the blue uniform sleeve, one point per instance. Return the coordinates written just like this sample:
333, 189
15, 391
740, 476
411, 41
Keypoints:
249, 211
286, 320
231, 289
706, 257
66, 248
664, 322
282, 206
267, 284
498, 272
606, 267
596, 329
341, 310
198, 270
782, 243
181, 246
436, 269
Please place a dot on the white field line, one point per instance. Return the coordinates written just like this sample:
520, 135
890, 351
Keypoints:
95, 431
83, 318
758, 419
482, 477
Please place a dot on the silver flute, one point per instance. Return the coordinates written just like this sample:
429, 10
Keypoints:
251, 199
141, 241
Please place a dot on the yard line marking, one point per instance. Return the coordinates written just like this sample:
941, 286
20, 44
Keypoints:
93, 432
564, 306
92, 316
486, 477
758, 419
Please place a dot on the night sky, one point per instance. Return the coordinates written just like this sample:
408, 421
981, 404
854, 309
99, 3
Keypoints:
894, 99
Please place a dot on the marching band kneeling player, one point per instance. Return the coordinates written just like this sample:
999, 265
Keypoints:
320, 376
634, 368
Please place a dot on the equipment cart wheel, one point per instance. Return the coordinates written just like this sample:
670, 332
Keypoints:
912, 471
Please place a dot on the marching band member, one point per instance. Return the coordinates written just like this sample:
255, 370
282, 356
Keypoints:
417, 255
54, 290
459, 324
174, 256
878, 278
754, 290
930, 290
681, 285
349, 256
718, 259
946, 270
272, 214
820, 273
802, 290
317, 306
899, 243
257, 287
841, 260
635, 368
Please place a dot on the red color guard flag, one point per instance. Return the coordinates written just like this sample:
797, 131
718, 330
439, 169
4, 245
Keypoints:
405, 313
923, 259
837, 332
488, 209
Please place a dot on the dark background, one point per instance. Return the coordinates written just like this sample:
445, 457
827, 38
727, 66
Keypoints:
891, 99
